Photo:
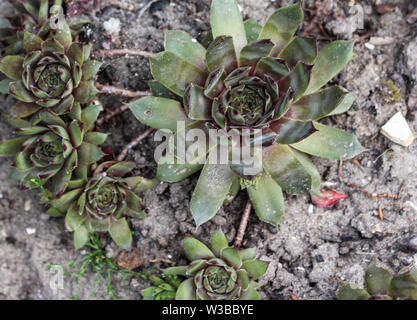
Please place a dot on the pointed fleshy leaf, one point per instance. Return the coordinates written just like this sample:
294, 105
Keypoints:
297, 80
252, 30
218, 242
197, 105
133, 202
120, 232
273, 67
4, 85
226, 20
120, 169
330, 143
377, 280
90, 69
23, 110
176, 73
211, 191
12, 67
186, 290
290, 130
175, 172
89, 116
73, 219
317, 105
221, 54
282, 25
328, 198
184, 46
11, 147
255, 268
250, 294
89, 153
63, 34
352, 291
255, 51
330, 61
247, 254
76, 134
232, 257
267, 199
300, 50
85, 92
75, 53
97, 138
404, 285
234, 190
160, 91
312, 170
176, 271
158, 113
141, 184
195, 249
283, 166
31, 42
81, 237
95, 225
18, 90
344, 105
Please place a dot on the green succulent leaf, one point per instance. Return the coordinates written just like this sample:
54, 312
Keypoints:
226, 20
175, 172
23, 110
81, 237
97, 138
330, 143
120, 169
120, 232
31, 42
255, 51
90, 69
300, 50
318, 105
284, 167
160, 91
196, 104
4, 85
12, 67
282, 25
232, 257
330, 61
377, 280
211, 191
404, 285
267, 199
73, 219
186, 290
11, 147
255, 268
272, 67
289, 131
252, 30
184, 46
297, 80
312, 170
177, 271
352, 291
158, 113
176, 73
247, 254
221, 54
250, 294
195, 250
90, 153
344, 105
218, 242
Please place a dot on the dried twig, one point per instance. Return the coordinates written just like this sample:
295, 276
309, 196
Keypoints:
111, 114
121, 5
121, 92
134, 143
355, 186
243, 225
122, 52
380, 213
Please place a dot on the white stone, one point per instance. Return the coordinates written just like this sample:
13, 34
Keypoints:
398, 130
30, 231
112, 26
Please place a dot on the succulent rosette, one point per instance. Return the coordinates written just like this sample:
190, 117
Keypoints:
102, 202
55, 74
219, 273
52, 151
250, 77
34, 16
382, 285
163, 287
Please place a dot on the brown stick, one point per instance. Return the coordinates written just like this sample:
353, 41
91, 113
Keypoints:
111, 114
121, 5
123, 52
134, 143
243, 225
121, 92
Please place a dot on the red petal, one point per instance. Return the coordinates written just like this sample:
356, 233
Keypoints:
328, 198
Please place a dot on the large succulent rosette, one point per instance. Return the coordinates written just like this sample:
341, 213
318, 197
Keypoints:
380, 284
55, 74
219, 273
102, 203
52, 152
34, 16
250, 77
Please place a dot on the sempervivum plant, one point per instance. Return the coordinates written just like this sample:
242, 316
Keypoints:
55, 74
251, 77
219, 273
381, 285
102, 202
164, 287
34, 16
49, 150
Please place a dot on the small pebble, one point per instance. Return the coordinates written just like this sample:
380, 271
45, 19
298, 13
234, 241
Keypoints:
370, 46
27, 205
30, 231
398, 131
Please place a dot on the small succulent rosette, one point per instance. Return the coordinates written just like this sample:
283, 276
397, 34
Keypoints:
50, 152
102, 203
33, 16
382, 285
250, 77
164, 287
222, 273
56, 74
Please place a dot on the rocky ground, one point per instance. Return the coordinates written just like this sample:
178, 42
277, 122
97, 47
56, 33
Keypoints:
313, 248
